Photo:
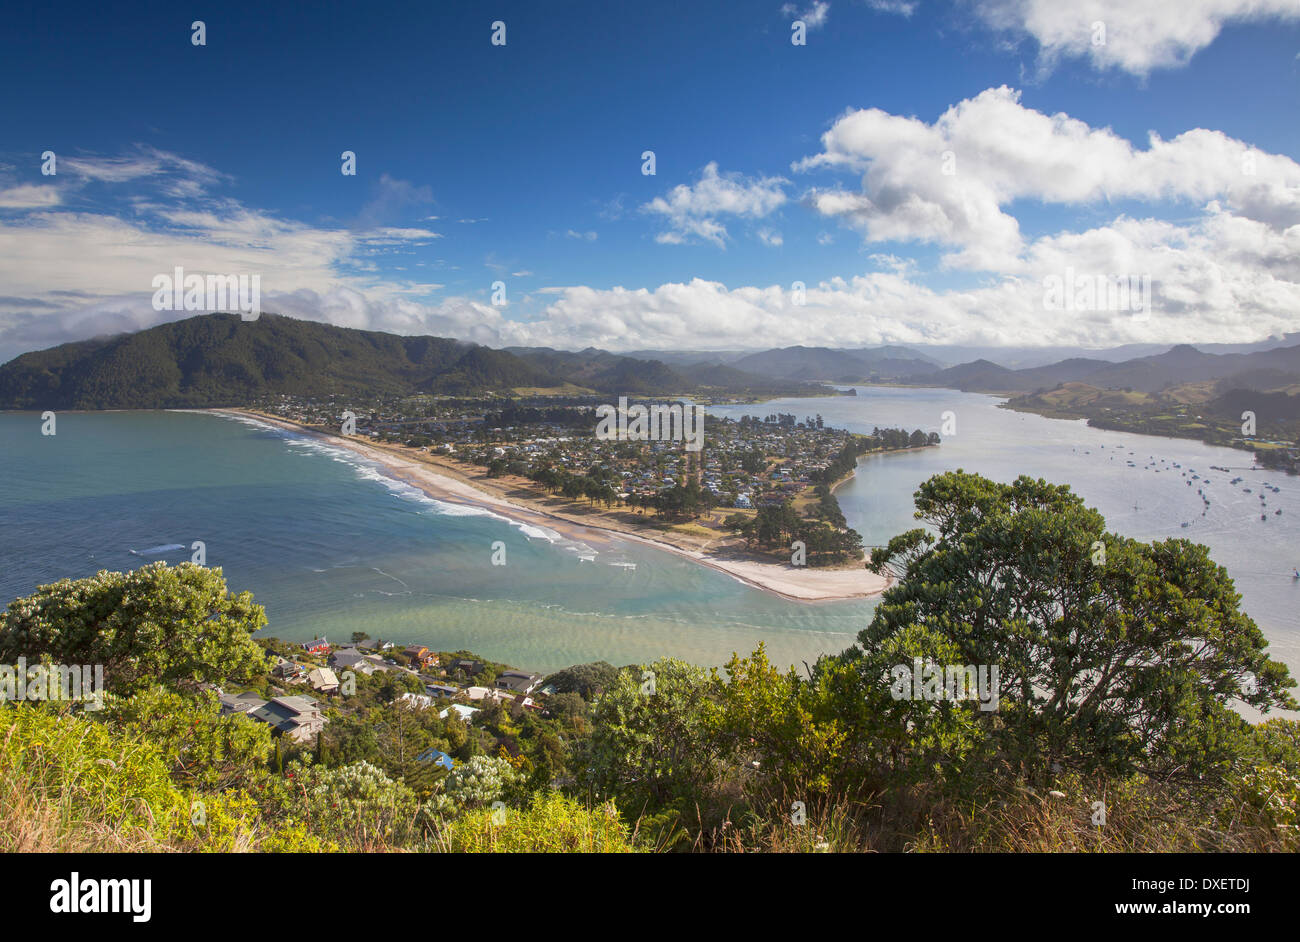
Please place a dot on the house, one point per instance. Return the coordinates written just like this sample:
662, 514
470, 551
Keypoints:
351, 659
240, 703
466, 667
486, 693
518, 681
316, 646
416, 701
379, 645
419, 657
437, 758
466, 713
522, 704
289, 670
323, 680
298, 718
441, 690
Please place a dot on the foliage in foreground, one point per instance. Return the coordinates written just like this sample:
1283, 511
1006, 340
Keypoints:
550, 823
70, 784
1119, 666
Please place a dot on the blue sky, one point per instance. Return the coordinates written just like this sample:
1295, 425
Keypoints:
775, 164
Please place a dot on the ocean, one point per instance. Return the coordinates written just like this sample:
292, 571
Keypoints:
330, 545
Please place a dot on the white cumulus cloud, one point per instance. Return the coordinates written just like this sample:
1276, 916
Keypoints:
951, 182
1136, 36
691, 209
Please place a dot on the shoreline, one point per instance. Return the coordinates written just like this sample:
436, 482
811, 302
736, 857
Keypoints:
440, 482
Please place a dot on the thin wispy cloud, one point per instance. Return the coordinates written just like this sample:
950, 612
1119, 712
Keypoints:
29, 196
144, 162
390, 199
902, 8
814, 16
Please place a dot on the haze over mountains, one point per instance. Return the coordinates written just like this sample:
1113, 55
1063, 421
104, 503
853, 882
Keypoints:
1264, 369
1015, 358
219, 359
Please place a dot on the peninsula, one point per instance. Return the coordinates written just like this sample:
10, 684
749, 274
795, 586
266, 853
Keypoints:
703, 513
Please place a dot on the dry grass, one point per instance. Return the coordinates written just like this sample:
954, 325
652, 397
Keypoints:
1141, 816
45, 810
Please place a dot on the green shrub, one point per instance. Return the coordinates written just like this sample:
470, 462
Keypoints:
552, 823
69, 783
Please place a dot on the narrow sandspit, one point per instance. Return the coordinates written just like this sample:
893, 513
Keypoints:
797, 584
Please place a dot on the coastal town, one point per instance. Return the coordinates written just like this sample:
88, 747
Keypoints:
758, 483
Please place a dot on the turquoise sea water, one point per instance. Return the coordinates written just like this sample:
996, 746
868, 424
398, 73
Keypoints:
329, 545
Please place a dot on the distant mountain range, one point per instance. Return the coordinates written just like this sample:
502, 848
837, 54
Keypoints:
219, 359
1013, 358
1266, 366
1262, 370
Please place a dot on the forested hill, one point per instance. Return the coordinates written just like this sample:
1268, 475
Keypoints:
221, 360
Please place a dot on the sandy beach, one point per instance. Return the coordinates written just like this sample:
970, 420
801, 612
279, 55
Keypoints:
438, 480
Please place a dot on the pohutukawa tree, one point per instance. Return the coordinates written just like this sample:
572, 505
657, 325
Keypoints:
172, 625
1111, 652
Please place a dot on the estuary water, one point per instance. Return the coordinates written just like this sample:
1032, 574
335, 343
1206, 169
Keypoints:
330, 545
1149, 500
